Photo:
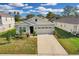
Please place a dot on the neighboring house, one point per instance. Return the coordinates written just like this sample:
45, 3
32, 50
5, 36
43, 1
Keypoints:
70, 24
6, 22
39, 25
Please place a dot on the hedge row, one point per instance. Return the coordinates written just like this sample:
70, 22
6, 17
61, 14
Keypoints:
62, 34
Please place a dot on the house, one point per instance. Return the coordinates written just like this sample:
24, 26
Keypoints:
6, 22
70, 24
39, 25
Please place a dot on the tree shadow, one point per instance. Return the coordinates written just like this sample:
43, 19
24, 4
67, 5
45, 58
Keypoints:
4, 43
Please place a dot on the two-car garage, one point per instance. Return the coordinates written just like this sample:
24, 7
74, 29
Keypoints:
44, 30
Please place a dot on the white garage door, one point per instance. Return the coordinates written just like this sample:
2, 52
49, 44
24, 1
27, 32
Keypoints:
44, 30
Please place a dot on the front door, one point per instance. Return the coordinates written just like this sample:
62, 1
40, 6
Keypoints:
31, 29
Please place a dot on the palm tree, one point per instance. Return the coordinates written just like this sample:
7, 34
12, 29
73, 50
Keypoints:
15, 12
18, 13
10, 13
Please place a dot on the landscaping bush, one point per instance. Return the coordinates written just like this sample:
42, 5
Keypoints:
18, 36
8, 37
34, 33
62, 34
27, 35
10, 32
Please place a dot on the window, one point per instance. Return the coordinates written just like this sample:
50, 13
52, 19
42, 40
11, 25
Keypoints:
20, 30
42, 27
38, 27
36, 20
64, 25
9, 25
6, 18
0, 17
24, 29
50, 27
61, 25
71, 30
74, 32
75, 27
46, 27
11, 19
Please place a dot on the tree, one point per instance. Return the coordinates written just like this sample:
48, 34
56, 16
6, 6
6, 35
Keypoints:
57, 16
30, 16
10, 13
15, 12
40, 15
17, 18
50, 15
16, 15
70, 10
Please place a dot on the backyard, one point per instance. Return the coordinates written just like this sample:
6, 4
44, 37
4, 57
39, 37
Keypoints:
68, 41
25, 45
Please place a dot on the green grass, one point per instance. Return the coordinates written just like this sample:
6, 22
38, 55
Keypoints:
68, 41
11, 32
21, 46
71, 45
25, 45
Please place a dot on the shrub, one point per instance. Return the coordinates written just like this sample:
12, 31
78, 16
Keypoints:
34, 33
27, 35
18, 36
8, 37
11, 32
62, 34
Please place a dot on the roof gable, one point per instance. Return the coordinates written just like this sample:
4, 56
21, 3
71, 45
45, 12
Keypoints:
39, 19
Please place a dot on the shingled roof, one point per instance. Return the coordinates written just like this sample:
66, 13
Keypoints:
70, 20
5, 15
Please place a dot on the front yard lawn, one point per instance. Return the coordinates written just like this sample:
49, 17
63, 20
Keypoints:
68, 41
12, 45
21, 46
71, 45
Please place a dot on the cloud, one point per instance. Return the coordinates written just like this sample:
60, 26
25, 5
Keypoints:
41, 8
5, 7
44, 9
78, 10
16, 4
37, 11
28, 7
48, 4
25, 4
32, 10
42, 12
49, 9
77, 6
57, 10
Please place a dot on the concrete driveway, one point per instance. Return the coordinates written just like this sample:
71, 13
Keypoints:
48, 45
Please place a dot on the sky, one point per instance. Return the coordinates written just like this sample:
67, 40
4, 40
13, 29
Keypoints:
35, 8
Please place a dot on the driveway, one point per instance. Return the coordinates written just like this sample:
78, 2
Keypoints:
48, 45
